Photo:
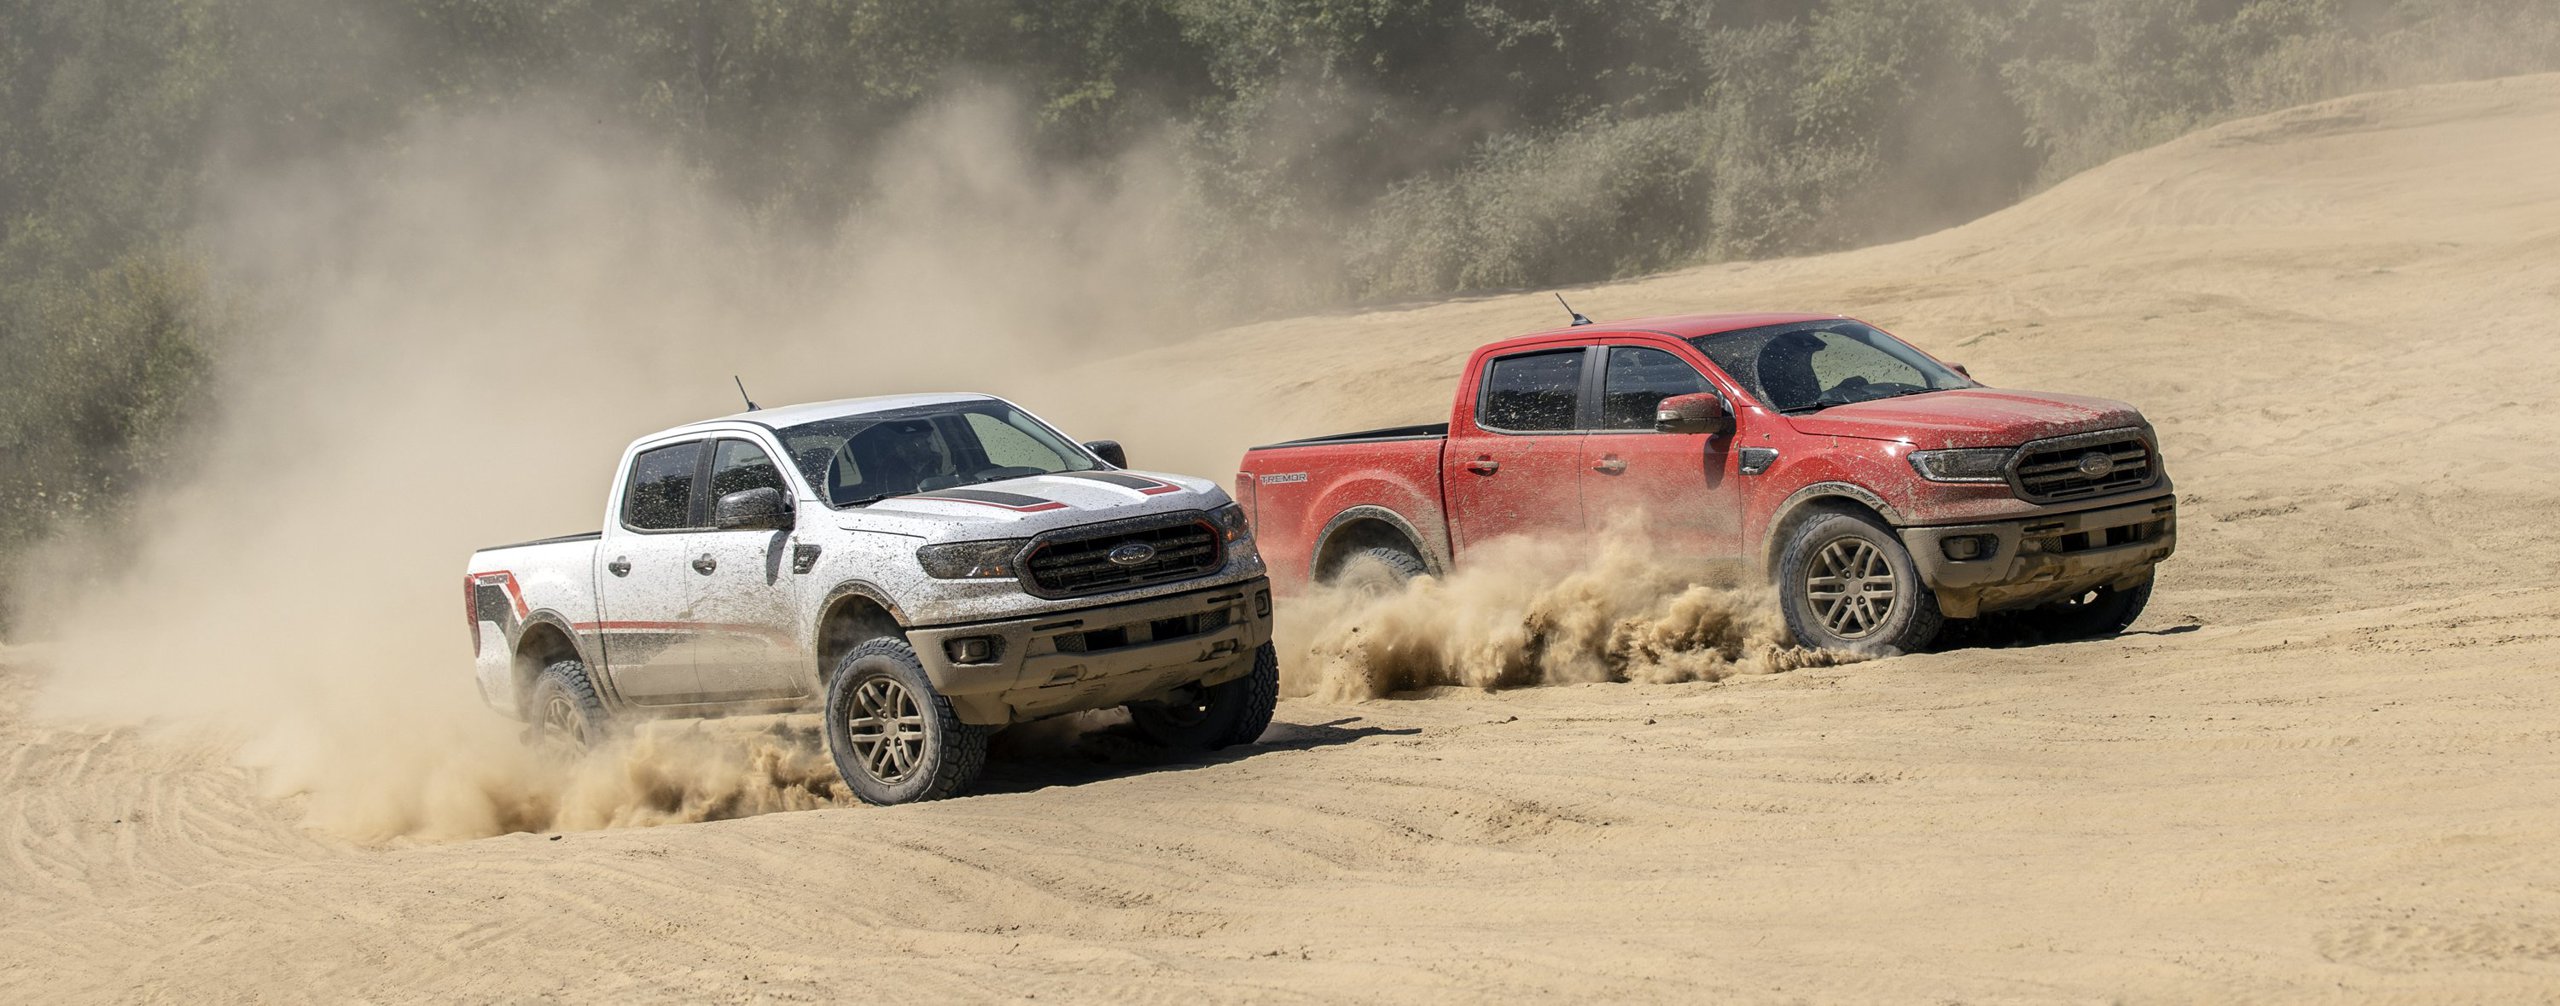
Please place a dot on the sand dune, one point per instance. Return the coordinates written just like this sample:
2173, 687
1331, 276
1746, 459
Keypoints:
2326, 766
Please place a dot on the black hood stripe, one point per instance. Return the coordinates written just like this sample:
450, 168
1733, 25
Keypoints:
990, 497
1125, 480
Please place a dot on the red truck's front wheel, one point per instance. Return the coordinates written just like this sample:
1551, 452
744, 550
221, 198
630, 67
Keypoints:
1846, 583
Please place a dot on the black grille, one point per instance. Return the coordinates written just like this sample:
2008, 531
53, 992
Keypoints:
2050, 471
1078, 560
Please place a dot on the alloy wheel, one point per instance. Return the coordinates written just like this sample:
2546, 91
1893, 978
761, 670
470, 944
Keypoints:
560, 719
887, 730
1852, 587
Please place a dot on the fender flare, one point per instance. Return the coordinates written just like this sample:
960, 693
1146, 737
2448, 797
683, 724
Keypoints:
1430, 555
577, 645
827, 605
1815, 493
864, 589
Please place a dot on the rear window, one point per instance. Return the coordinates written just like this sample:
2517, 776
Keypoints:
1532, 393
659, 496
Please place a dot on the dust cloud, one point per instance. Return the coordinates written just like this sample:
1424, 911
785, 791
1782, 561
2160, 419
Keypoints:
1542, 611
458, 332
461, 329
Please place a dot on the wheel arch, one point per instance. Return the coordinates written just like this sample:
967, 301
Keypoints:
855, 612
545, 639
1813, 501
1368, 526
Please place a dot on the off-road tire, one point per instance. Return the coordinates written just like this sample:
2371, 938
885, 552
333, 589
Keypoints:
917, 748
1377, 571
562, 708
1219, 716
2104, 611
1820, 548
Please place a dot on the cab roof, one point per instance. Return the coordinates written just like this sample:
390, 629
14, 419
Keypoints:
794, 415
1678, 326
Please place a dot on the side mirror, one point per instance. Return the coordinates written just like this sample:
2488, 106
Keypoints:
1699, 413
763, 509
1960, 371
1109, 451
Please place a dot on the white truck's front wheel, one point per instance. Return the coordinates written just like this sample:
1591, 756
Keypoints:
894, 738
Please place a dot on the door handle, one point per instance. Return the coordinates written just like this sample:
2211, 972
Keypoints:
704, 564
1610, 465
1484, 465
620, 566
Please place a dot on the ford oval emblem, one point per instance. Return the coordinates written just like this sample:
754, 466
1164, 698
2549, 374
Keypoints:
2097, 465
1136, 553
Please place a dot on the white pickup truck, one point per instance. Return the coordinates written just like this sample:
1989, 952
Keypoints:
923, 569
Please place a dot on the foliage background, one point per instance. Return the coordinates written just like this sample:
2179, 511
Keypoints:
1397, 148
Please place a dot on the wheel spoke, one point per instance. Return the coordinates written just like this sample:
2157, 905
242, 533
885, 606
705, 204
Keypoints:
887, 730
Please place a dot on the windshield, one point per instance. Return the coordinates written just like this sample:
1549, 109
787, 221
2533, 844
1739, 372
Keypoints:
863, 459
1806, 365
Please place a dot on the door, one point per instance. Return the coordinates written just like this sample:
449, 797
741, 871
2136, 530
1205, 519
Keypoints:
645, 583
1674, 490
743, 603
1513, 469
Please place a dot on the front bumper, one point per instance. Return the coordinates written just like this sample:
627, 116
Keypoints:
1098, 657
2028, 561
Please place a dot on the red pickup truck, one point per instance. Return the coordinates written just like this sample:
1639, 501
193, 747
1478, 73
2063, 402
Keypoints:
1884, 491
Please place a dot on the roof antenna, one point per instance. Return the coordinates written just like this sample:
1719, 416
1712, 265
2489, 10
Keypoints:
751, 403
1578, 319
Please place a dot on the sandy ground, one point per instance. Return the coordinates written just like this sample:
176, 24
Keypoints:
2326, 766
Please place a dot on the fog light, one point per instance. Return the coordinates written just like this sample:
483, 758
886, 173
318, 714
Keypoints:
1969, 546
971, 649
1261, 604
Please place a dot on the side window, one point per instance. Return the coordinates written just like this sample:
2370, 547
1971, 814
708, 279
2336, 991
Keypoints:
1533, 392
660, 494
740, 465
1639, 379
1007, 447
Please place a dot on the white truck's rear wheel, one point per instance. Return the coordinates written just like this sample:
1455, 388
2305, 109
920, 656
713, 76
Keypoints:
1846, 583
563, 709
1218, 716
895, 739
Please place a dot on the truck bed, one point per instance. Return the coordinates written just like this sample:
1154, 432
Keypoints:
1426, 431
1296, 488
553, 540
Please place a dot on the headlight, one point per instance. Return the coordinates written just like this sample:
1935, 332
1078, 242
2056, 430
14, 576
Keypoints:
1971, 464
1232, 527
970, 560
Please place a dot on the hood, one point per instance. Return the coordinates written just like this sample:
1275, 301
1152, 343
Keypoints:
1969, 417
1016, 508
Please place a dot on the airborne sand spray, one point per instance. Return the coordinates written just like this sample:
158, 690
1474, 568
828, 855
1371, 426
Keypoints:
1531, 611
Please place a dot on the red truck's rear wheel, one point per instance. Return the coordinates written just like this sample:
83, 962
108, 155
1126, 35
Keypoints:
1846, 583
1376, 572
